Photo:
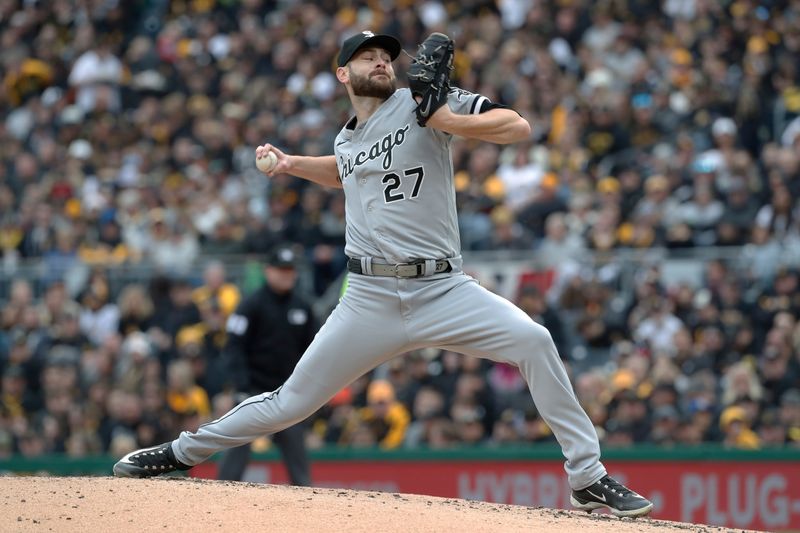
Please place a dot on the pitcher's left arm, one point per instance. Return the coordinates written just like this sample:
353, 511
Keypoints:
496, 125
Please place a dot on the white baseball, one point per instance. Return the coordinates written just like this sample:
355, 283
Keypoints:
266, 163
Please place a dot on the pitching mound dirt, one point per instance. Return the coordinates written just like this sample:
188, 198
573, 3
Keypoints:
99, 504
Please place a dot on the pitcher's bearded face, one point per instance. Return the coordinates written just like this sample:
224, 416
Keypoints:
379, 83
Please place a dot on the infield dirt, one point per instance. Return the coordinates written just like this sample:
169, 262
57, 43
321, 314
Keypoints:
105, 504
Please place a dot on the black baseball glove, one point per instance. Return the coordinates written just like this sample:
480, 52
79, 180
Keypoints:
429, 74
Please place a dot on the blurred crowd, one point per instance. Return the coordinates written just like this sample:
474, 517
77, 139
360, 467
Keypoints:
128, 136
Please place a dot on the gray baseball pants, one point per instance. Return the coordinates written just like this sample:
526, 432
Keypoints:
380, 317
291, 443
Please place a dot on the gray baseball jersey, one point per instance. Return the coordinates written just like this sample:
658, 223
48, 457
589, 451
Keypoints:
397, 176
398, 181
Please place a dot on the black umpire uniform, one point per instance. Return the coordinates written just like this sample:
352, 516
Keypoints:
267, 335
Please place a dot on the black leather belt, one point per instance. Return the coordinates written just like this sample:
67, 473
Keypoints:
415, 269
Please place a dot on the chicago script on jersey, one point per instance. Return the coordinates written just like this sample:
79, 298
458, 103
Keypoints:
383, 147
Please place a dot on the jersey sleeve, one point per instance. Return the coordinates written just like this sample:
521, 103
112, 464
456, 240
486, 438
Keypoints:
466, 103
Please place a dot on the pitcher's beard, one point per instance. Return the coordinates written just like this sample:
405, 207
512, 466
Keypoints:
374, 88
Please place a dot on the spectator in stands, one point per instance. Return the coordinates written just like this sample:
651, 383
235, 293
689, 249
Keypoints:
770, 431
129, 368
184, 397
594, 320
741, 384
629, 412
64, 334
645, 129
468, 418
99, 315
738, 213
123, 412
520, 176
60, 259
666, 423
384, 419
603, 135
780, 216
216, 290
331, 424
17, 400
505, 428
96, 76
507, 233
442, 434
658, 327
700, 215
182, 311
594, 394
736, 429
560, 248
655, 210
545, 202
428, 406
790, 415
170, 245
534, 429
135, 309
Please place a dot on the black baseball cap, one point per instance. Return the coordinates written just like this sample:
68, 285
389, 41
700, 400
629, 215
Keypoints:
360, 40
282, 256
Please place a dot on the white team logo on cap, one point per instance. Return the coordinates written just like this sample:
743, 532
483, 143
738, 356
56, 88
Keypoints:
367, 33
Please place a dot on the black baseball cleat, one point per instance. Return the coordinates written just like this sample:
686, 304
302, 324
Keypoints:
610, 493
149, 462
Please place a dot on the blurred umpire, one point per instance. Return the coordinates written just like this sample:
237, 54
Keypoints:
267, 334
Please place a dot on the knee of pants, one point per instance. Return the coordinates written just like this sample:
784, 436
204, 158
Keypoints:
291, 409
534, 340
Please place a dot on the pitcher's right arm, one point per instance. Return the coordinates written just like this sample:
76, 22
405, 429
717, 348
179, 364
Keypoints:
319, 169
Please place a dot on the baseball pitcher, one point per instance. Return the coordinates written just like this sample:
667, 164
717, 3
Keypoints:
406, 289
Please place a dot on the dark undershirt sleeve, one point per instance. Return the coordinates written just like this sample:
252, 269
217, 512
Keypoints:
487, 105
